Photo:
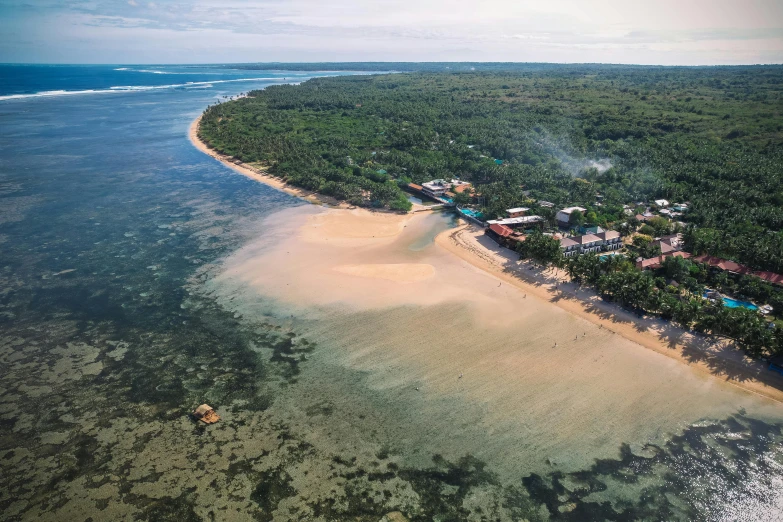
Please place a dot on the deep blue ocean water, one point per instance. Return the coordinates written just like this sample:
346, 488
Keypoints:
108, 217
20, 81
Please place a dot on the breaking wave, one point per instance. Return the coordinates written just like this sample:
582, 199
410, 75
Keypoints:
135, 88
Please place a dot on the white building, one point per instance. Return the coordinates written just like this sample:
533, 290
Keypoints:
436, 188
564, 216
591, 243
662, 203
517, 212
517, 221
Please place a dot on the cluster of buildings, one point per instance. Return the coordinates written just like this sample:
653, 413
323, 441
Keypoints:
665, 209
593, 239
507, 230
671, 246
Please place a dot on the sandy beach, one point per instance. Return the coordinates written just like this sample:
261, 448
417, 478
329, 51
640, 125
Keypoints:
716, 357
384, 279
460, 349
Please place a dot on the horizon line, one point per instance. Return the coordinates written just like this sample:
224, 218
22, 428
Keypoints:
770, 64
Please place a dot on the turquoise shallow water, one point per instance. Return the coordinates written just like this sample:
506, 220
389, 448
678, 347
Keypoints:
110, 225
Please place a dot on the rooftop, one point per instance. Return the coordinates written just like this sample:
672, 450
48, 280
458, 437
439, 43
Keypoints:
501, 230
516, 221
587, 238
723, 264
436, 184
571, 209
657, 261
608, 235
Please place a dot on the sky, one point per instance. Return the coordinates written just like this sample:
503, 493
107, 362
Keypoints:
665, 32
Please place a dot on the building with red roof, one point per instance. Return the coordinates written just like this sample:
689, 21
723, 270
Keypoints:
656, 262
501, 231
736, 268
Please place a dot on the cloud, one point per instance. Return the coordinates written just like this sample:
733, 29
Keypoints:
664, 31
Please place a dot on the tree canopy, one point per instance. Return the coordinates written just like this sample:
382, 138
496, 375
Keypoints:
710, 135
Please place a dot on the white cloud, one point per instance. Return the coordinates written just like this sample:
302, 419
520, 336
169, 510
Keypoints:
661, 31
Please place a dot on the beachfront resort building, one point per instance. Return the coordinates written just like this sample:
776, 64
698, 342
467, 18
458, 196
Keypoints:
504, 235
564, 216
438, 188
732, 267
591, 243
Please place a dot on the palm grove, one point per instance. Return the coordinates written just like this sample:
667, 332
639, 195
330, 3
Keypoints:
711, 136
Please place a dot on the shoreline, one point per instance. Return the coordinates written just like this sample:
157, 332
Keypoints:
258, 174
717, 359
698, 353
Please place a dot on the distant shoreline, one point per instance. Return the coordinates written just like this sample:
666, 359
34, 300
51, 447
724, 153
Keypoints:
751, 376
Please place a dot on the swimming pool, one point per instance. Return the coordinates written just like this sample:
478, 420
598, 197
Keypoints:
733, 303
472, 213
728, 302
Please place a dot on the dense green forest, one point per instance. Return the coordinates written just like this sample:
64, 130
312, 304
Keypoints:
712, 136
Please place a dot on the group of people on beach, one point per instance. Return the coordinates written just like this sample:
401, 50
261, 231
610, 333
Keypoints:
576, 337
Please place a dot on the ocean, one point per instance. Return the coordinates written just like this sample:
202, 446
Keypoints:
116, 320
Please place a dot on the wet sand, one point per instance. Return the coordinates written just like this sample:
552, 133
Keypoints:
472, 363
